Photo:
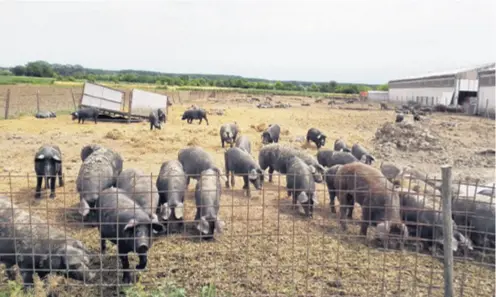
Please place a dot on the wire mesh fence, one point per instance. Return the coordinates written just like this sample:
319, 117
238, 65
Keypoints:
264, 244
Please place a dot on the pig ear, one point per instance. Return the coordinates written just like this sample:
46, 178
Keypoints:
319, 136
165, 211
179, 211
203, 226
219, 225
56, 158
253, 174
84, 207
131, 224
302, 197
156, 226
40, 157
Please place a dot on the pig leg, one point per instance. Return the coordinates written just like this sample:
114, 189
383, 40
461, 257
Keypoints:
233, 182
271, 170
61, 177
342, 212
103, 246
246, 186
52, 186
39, 181
126, 275
27, 278
332, 196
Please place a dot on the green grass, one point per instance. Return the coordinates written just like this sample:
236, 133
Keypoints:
168, 289
14, 80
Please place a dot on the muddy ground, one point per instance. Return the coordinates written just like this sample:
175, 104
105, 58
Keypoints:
266, 248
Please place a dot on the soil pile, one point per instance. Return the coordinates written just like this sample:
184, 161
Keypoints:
405, 136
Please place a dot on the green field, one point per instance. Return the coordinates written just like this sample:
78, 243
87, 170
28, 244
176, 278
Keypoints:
14, 80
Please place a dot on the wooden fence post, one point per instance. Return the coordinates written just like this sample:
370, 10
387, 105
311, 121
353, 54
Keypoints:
7, 104
447, 230
129, 107
74, 99
38, 101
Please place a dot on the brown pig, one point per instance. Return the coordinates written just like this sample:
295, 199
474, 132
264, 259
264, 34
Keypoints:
366, 185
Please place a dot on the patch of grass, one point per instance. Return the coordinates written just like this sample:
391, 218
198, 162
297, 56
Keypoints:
15, 289
14, 80
164, 290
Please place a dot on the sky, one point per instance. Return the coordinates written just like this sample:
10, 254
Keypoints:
357, 41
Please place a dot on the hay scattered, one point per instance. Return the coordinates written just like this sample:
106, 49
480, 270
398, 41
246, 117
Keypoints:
194, 141
259, 128
114, 134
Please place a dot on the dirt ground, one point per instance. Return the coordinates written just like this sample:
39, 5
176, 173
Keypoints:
266, 248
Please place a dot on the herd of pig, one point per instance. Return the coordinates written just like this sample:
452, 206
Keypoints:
129, 208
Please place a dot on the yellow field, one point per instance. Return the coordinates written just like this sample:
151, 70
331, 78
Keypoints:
266, 247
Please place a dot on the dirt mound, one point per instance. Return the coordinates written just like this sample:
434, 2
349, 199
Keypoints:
406, 136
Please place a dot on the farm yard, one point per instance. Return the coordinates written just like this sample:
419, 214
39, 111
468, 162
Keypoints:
266, 249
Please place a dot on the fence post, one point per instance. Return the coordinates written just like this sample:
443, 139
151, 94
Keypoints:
38, 101
447, 230
73, 99
129, 107
7, 104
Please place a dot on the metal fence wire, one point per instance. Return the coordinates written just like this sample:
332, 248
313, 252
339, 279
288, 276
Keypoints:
218, 241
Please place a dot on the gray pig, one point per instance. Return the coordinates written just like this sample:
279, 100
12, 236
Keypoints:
300, 183
425, 222
195, 160
228, 133
271, 134
171, 185
140, 187
479, 218
243, 142
360, 152
48, 165
154, 120
207, 198
273, 156
99, 171
329, 158
27, 241
339, 145
240, 162
124, 223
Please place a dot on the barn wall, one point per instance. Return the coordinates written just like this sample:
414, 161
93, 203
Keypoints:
378, 96
428, 96
487, 94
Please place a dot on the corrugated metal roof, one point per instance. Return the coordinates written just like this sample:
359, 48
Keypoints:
449, 73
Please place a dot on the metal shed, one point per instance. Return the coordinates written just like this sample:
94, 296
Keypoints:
457, 87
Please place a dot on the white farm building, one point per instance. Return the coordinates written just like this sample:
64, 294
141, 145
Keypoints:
473, 88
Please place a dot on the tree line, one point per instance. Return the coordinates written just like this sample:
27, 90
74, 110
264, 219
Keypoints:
68, 72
